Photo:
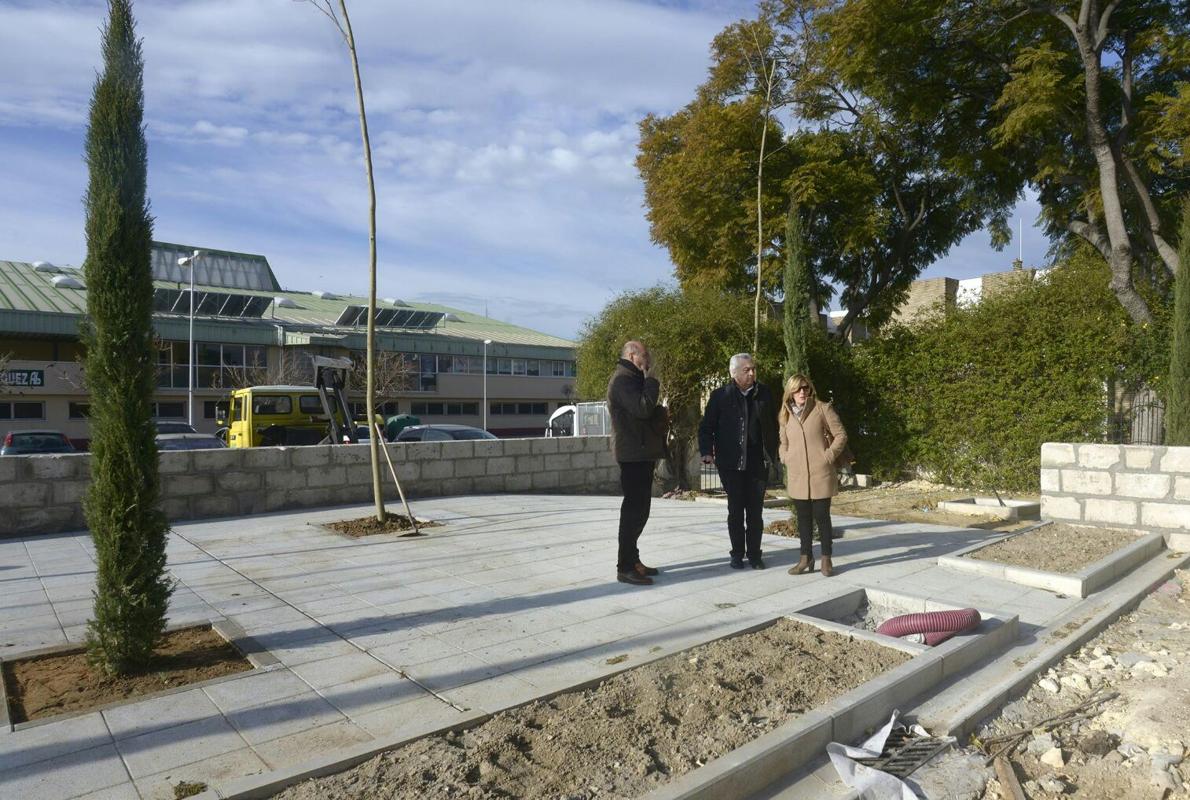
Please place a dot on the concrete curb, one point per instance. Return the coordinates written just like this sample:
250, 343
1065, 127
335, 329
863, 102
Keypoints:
257, 656
1066, 634
265, 785
958, 708
757, 764
1083, 583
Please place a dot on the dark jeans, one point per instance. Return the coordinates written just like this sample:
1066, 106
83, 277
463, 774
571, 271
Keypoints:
809, 514
745, 499
636, 479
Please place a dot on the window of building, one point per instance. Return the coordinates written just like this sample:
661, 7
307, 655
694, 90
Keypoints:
78, 410
558, 369
526, 409
169, 410
445, 409
211, 408
533, 367
215, 364
519, 367
22, 409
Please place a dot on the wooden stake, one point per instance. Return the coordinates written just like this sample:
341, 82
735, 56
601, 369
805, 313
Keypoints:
384, 448
1008, 782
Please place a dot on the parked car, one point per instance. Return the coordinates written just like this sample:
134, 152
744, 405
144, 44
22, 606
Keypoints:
24, 443
442, 433
172, 426
189, 441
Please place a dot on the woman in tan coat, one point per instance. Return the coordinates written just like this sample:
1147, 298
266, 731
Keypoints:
812, 440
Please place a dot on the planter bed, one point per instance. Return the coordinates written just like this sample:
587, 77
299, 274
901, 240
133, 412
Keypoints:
1049, 557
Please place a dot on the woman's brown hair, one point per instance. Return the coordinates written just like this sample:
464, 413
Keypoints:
796, 382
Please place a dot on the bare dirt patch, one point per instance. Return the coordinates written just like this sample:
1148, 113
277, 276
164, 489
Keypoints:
1056, 547
630, 733
916, 501
56, 684
1133, 746
368, 526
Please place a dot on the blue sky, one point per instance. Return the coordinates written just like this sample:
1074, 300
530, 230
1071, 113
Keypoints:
503, 136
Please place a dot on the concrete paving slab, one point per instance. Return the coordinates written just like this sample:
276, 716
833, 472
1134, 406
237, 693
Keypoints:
252, 688
277, 718
50, 740
506, 603
128, 721
122, 791
183, 744
297, 747
358, 697
160, 786
68, 776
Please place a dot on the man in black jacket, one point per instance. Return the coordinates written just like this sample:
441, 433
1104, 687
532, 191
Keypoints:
638, 441
738, 434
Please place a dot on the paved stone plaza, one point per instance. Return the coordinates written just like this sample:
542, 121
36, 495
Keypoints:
514, 597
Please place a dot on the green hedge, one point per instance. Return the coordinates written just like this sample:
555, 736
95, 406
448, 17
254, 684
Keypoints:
967, 396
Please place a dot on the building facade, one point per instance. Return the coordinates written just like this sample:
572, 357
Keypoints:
249, 331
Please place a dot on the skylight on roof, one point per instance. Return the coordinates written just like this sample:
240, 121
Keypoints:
67, 282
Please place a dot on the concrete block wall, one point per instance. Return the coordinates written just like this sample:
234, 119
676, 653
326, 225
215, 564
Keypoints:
1111, 485
43, 494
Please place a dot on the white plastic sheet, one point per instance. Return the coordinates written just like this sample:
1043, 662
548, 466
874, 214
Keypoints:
872, 784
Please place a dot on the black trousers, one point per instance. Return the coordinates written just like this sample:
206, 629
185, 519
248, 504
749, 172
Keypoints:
745, 508
636, 480
809, 514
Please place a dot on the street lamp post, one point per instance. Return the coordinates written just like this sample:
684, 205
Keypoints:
486, 342
190, 262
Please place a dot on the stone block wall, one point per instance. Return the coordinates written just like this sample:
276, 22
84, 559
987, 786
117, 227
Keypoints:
927, 293
43, 494
1109, 485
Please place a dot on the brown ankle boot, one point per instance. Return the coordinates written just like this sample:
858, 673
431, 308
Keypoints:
827, 569
805, 565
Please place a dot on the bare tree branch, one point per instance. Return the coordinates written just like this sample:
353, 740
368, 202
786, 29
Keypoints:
1105, 23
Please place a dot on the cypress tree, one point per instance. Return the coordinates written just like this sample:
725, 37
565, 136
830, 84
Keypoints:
1177, 409
122, 504
796, 317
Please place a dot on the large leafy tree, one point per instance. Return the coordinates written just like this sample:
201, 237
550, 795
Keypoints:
884, 194
692, 335
1091, 97
122, 504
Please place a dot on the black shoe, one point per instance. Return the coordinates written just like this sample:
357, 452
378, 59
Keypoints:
633, 578
757, 563
737, 562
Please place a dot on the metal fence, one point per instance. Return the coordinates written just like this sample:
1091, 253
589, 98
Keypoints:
1139, 418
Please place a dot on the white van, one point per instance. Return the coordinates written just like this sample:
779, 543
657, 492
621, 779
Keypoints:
580, 419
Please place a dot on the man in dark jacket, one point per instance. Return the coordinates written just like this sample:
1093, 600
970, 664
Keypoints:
738, 434
638, 441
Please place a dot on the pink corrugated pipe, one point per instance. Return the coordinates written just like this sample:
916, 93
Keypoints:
935, 626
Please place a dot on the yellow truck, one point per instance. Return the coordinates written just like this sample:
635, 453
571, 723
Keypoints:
263, 416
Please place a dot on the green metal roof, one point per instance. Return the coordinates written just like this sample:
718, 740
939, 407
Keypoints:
24, 289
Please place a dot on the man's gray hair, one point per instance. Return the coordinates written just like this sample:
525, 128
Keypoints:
734, 364
630, 348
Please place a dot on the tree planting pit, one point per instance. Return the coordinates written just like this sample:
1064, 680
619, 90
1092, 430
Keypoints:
635, 732
1073, 560
1006, 509
859, 612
